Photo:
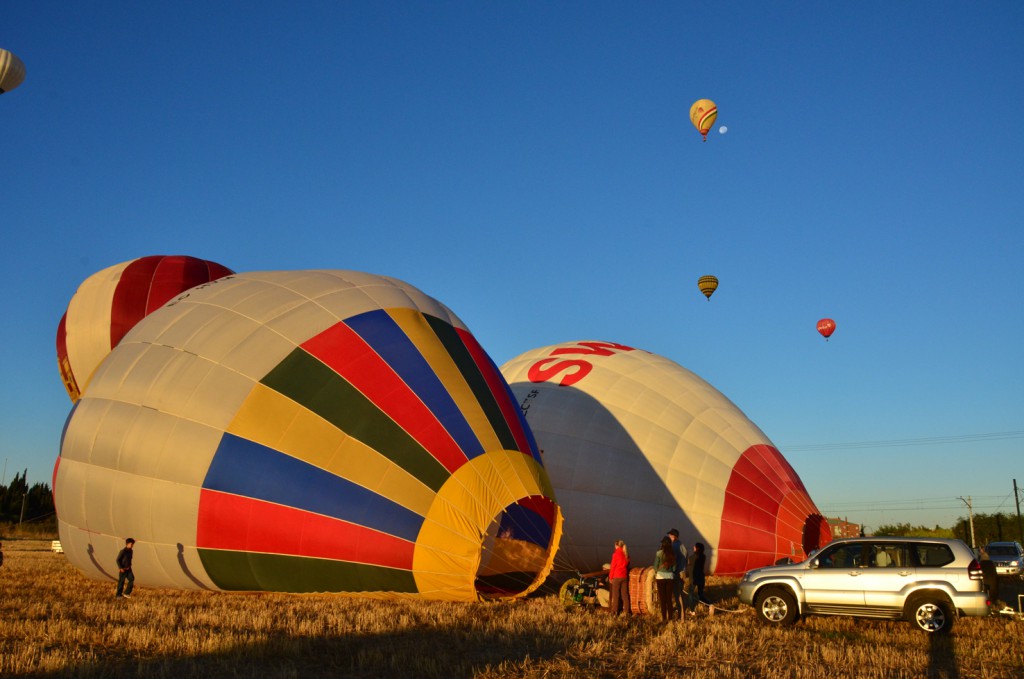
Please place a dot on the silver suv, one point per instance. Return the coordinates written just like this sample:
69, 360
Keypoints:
926, 581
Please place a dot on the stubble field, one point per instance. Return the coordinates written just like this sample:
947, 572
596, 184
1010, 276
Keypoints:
56, 623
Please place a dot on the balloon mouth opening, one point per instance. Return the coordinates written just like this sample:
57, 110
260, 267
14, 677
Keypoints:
816, 533
516, 552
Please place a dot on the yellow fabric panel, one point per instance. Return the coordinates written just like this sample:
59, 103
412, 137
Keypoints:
419, 331
447, 554
273, 420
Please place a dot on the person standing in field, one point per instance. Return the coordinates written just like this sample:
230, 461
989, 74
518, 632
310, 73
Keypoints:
618, 579
695, 575
664, 572
124, 570
680, 571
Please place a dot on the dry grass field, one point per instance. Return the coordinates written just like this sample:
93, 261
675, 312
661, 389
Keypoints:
56, 623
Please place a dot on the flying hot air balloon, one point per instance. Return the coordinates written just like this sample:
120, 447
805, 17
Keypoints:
826, 327
302, 431
636, 445
110, 302
12, 71
702, 114
707, 285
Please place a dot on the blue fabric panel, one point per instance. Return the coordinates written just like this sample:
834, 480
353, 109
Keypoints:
244, 468
520, 523
386, 338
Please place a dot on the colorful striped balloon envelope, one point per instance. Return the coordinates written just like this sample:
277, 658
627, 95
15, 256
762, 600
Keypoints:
306, 431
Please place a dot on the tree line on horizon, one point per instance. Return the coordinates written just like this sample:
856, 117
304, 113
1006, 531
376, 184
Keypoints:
21, 503
995, 527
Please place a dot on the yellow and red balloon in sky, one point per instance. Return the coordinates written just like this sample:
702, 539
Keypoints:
703, 113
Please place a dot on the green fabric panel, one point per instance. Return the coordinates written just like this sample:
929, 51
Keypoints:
449, 337
253, 572
308, 381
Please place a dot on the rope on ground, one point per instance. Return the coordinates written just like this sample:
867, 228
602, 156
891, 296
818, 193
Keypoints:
712, 608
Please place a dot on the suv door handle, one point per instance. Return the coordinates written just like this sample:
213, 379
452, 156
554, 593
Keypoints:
853, 573
905, 573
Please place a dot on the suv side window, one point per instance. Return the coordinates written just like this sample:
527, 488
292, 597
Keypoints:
934, 555
845, 556
888, 555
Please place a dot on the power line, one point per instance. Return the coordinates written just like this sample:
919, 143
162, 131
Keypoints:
993, 502
924, 441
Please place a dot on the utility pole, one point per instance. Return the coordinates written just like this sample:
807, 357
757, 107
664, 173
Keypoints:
24, 499
1016, 496
970, 513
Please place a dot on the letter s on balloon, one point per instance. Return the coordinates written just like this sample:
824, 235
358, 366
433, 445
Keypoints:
540, 372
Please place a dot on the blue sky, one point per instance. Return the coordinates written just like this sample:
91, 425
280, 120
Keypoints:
532, 165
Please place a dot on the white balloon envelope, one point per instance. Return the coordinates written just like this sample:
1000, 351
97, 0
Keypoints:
635, 445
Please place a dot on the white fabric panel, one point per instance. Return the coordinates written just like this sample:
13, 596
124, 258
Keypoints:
87, 325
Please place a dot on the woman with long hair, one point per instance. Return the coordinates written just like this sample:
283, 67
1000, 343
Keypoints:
664, 574
618, 579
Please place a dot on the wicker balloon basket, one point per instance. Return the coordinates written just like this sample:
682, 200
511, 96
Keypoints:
643, 597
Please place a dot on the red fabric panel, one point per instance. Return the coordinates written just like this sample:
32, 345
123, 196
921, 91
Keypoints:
150, 282
176, 274
345, 352
541, 506
499, 390
244, 524
129, 304
767, 512
53, 485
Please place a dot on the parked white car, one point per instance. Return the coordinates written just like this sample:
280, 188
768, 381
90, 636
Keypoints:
926, 581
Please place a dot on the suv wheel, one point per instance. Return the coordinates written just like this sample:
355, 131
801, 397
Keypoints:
776, 606
930, 614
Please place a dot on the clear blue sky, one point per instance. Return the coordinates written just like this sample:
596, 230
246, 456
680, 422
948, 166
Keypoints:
533, 166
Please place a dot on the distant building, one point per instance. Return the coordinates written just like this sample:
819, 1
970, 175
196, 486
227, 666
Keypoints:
841, 528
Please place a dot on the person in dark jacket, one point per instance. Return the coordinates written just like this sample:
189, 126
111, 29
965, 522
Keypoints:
695, 571
680, 571
124, 570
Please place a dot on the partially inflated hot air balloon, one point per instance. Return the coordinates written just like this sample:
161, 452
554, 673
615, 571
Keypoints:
707, 285
12, 71
109, 303
702, 114
826, 327
636, 445
302, 431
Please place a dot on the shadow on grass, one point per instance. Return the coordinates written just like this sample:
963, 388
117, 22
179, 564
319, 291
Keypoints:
454, 651
942, 658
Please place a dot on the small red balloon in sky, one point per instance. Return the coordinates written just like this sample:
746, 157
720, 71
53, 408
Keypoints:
826, 327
